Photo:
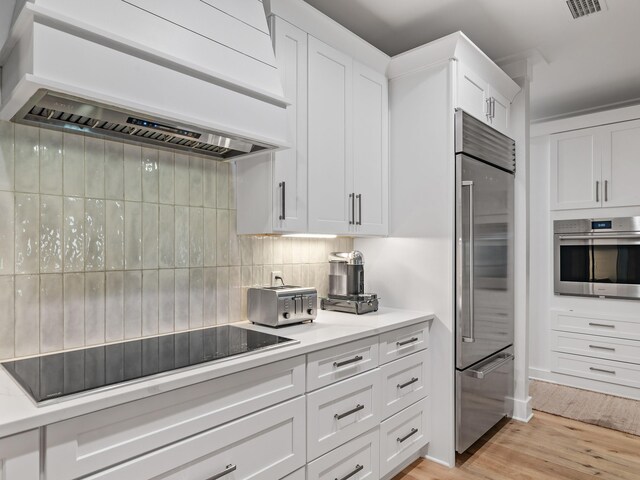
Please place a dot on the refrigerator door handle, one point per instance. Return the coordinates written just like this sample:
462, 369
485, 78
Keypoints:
471, 337
490, 367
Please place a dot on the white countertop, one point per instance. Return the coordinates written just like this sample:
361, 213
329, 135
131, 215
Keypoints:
19, 413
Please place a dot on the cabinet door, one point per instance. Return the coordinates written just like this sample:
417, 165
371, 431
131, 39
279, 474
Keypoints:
290, 166
472, 93
500, 107
576, 169
20, 456
330, 139
621, 164
370, 151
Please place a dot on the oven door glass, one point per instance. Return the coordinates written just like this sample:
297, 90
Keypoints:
596, 263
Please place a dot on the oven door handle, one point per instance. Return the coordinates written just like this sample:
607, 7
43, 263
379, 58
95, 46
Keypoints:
599, 237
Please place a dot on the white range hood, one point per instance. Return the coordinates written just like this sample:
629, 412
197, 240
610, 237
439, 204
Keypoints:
197, 75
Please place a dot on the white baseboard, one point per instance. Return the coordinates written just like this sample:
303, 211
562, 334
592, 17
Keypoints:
584, 383
438, 461
522, 411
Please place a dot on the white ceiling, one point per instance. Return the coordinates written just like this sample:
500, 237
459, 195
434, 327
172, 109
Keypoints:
585, 64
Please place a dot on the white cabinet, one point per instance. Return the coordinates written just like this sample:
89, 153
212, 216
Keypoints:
20, 456
477, 97
272, 190
331, 196
348, 145
596, 167
358, 459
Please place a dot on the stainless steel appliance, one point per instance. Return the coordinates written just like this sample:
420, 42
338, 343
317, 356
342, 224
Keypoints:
283, 305
346, 285
597, 257
485, 167
54, 377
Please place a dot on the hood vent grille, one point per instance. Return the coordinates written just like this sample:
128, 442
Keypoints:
55, 110
582, 8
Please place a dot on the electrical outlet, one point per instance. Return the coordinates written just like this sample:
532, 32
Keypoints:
276, 276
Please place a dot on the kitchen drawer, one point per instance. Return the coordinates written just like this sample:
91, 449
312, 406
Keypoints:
337, 363
403, 341
594, 346
20, 456
262, 446
404, 382
404, 434
595, 324
358, 459
299, 474
597, 369
95, 441
340, 412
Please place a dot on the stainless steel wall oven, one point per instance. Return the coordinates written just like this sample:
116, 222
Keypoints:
597, 257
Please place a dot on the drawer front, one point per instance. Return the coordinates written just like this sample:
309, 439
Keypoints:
595, 346
404, 434
404, 382
297, 475
340, 412
95, 441
334, 364
358, 459
404, 341
20, 456
596, 369
595, 325
263, 446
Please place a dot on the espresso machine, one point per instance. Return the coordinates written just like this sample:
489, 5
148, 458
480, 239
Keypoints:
346, 285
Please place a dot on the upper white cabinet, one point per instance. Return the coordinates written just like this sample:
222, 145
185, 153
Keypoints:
348, 145
272, 192
479, 98
596, 167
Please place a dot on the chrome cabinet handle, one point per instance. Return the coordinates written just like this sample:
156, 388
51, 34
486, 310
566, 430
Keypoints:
357, 358
597, 190
359, 198
598, 347
601, 325
352, 473
407, 342
412, 432
488, 107
594, 369
229, 468
283, 197
606, 190
471, 337
410, 382
353, 209
357, 408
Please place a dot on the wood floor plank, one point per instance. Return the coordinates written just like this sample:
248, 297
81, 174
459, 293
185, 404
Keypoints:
547, 448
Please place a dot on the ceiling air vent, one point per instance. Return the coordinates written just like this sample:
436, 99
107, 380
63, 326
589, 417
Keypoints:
582, 8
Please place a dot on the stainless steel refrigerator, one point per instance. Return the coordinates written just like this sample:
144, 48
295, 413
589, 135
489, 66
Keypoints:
485, 169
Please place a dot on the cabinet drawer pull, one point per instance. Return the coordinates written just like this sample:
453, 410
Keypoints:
594, 369
611, 349
357, 358
339, 416
410, 382
407, 342
230, 468
601, 325
349, 475
412, 432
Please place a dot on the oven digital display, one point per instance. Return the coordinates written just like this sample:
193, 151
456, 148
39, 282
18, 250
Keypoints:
601, 225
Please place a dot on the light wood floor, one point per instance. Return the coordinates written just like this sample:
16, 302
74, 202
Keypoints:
546, 448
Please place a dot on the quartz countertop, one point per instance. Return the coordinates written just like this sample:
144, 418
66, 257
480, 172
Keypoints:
19, 413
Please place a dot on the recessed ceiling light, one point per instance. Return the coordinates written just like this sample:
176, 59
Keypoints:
582, 8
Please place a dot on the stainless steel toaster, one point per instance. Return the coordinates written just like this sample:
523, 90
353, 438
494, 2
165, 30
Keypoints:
283, 305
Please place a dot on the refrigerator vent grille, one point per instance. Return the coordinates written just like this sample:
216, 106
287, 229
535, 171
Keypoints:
582, 8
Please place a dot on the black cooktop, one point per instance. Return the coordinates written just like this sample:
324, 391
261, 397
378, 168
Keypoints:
57, 375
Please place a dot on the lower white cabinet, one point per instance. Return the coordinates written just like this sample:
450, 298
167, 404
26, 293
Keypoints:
339, 412
358, 459
20, 456
299, 474
263, 446
404, 382
403, 435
